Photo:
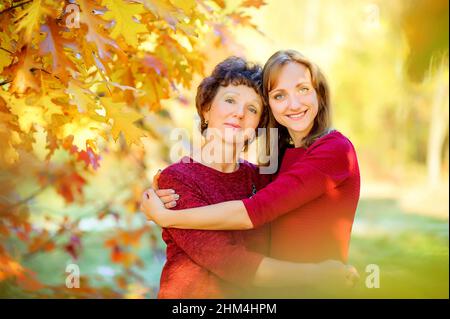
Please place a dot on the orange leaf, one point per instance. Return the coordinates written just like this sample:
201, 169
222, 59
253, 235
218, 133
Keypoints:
70, 185
253, 3
23, 79
95, 30
242, 19
28, 281
117, 255
89, 157
54, 44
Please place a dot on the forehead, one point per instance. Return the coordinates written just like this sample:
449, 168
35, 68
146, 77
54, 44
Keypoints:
242, 91
289, 74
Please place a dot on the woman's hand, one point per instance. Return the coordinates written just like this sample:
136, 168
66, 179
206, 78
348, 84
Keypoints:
335, 274
152, 207
154, 201
167, 196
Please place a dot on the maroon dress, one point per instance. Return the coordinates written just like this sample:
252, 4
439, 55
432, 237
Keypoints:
311, 203
210, 264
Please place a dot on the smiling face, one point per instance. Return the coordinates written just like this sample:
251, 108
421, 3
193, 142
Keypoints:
293, 100
235, 111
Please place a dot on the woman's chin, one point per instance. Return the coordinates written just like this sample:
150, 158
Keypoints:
299, 128
233, 142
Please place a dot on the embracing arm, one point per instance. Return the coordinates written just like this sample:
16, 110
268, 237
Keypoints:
326, 165
230, 215
331, 273
228, 258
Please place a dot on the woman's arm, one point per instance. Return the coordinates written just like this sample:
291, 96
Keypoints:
228, 258
319, 171
277, 273
231, 261
230, 215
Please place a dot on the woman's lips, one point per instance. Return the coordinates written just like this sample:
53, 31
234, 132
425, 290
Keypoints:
297, 116
234, 126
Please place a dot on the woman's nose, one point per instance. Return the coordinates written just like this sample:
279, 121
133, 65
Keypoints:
295, 102
239, 111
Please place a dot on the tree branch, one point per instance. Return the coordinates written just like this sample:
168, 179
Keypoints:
5, 82
45, 71
6, 50
15, 6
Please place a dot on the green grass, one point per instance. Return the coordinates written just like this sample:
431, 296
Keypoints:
410, 250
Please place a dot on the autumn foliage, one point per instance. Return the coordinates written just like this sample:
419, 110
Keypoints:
76, 76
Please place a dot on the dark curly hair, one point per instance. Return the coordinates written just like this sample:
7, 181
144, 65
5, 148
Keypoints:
235, 71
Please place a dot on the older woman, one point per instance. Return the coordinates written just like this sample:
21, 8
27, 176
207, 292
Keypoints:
217, 264
312, 201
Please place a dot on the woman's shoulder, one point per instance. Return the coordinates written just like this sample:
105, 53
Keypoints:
332, 141
183, 170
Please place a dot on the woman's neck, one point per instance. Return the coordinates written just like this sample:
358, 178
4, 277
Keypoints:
297, 137
220, 156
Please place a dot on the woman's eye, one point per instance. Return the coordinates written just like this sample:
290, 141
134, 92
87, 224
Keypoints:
253, 110
229, 100
304, 89
278, 96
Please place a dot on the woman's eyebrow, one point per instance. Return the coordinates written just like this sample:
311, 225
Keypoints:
304, 82
275, 90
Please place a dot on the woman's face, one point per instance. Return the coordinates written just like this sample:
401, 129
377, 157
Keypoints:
293, 100
235, 113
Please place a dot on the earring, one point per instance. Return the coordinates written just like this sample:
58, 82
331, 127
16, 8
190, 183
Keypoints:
204, 125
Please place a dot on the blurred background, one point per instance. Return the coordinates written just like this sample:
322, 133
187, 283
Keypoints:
387, 66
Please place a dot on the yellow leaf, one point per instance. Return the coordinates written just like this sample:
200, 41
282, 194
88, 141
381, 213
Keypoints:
29, 18
49, 106
83, 130
40, 141
80, 97
8, 139
54, 44
5, 59
155, 91
164, 9
24, 79
124, 119
9, 136
185, 5
125, 25
8, 38
27, 114
95, 35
